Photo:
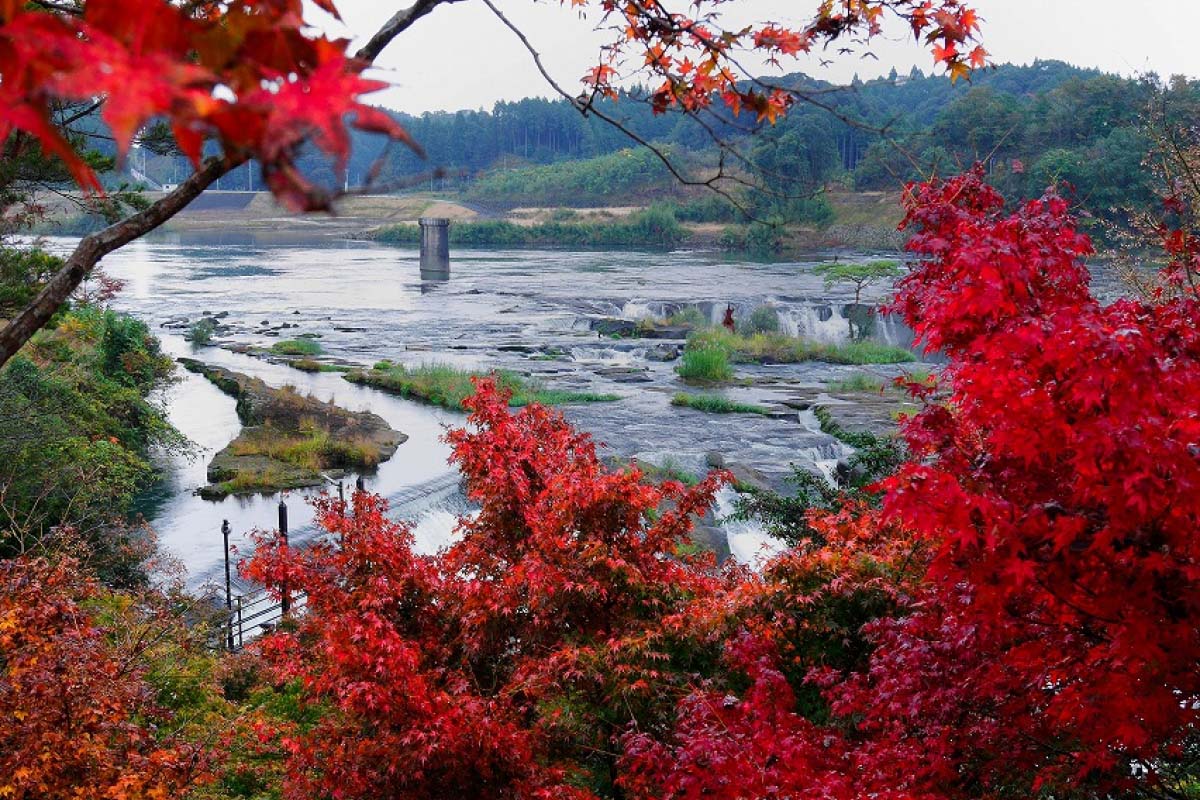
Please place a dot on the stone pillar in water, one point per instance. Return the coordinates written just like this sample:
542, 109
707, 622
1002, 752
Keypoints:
435, 247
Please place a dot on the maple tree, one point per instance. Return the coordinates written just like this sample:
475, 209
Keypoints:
505, 665
253, 77
1048, 640
81, 719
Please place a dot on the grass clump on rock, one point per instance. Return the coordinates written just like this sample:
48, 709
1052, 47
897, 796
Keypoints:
705, 363
715, 404
447, 386
297, 347
779, 348
290, 440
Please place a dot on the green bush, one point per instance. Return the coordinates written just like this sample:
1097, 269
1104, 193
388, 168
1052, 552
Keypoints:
76, 430
297, 347
23, 273
764, 319
690, 316
201, 332
709, 364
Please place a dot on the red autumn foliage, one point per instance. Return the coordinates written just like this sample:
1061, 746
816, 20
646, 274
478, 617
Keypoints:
80, 721
252, 75
696, 60
247, 72
505, 665
1052, 641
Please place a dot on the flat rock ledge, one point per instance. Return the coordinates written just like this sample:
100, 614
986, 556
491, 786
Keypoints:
290, 440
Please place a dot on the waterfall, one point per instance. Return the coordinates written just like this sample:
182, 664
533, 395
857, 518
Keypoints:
749, 543
824, 323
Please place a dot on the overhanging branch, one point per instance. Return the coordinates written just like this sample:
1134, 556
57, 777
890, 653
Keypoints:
95, 246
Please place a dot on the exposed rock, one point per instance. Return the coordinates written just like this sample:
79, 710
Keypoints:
711, 537
745, 478
624, 374
865, 412
610, 326
664, 332
255, 462
663, 352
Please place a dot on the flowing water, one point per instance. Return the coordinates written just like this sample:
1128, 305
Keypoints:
528, 311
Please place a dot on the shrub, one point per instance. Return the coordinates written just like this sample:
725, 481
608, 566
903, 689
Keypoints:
201, 332
764, 319
705, 364
689, 316
297, 347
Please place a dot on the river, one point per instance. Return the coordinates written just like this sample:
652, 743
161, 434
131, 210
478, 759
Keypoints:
529, 311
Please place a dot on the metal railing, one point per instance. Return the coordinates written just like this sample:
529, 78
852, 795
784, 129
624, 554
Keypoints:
250, 611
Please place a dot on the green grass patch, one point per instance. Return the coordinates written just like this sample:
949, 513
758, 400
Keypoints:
715, 404
779, 348
705, 364
312, 365
447, 386
858, 382
296, 347
653, 227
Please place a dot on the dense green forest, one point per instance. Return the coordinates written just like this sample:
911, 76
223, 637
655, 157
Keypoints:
1032, 125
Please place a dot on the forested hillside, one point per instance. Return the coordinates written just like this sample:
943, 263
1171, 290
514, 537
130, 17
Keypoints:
1032, 125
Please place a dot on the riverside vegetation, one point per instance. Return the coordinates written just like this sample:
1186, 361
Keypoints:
711, 352
78, 426
654, 227
448, 387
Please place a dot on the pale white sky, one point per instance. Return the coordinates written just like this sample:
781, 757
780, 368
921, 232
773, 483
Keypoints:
460, 56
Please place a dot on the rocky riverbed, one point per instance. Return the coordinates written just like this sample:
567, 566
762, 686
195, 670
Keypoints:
537, 314
289, 440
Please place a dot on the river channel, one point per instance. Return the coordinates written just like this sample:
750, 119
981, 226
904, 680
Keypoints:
528, 311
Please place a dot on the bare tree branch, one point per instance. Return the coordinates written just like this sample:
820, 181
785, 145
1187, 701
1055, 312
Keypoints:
401, 21
95, 246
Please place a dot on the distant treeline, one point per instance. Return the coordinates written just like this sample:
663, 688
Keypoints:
1032, 125
655, 227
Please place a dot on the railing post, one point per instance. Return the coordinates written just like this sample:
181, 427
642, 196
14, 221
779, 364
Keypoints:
359, 488
239, 619
283, 533
228, 586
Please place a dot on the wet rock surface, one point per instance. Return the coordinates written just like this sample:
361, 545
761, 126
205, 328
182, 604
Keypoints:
259, 459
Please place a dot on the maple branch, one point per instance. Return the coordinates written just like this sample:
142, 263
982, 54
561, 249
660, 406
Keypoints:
95, 246
401, 21
587, 106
